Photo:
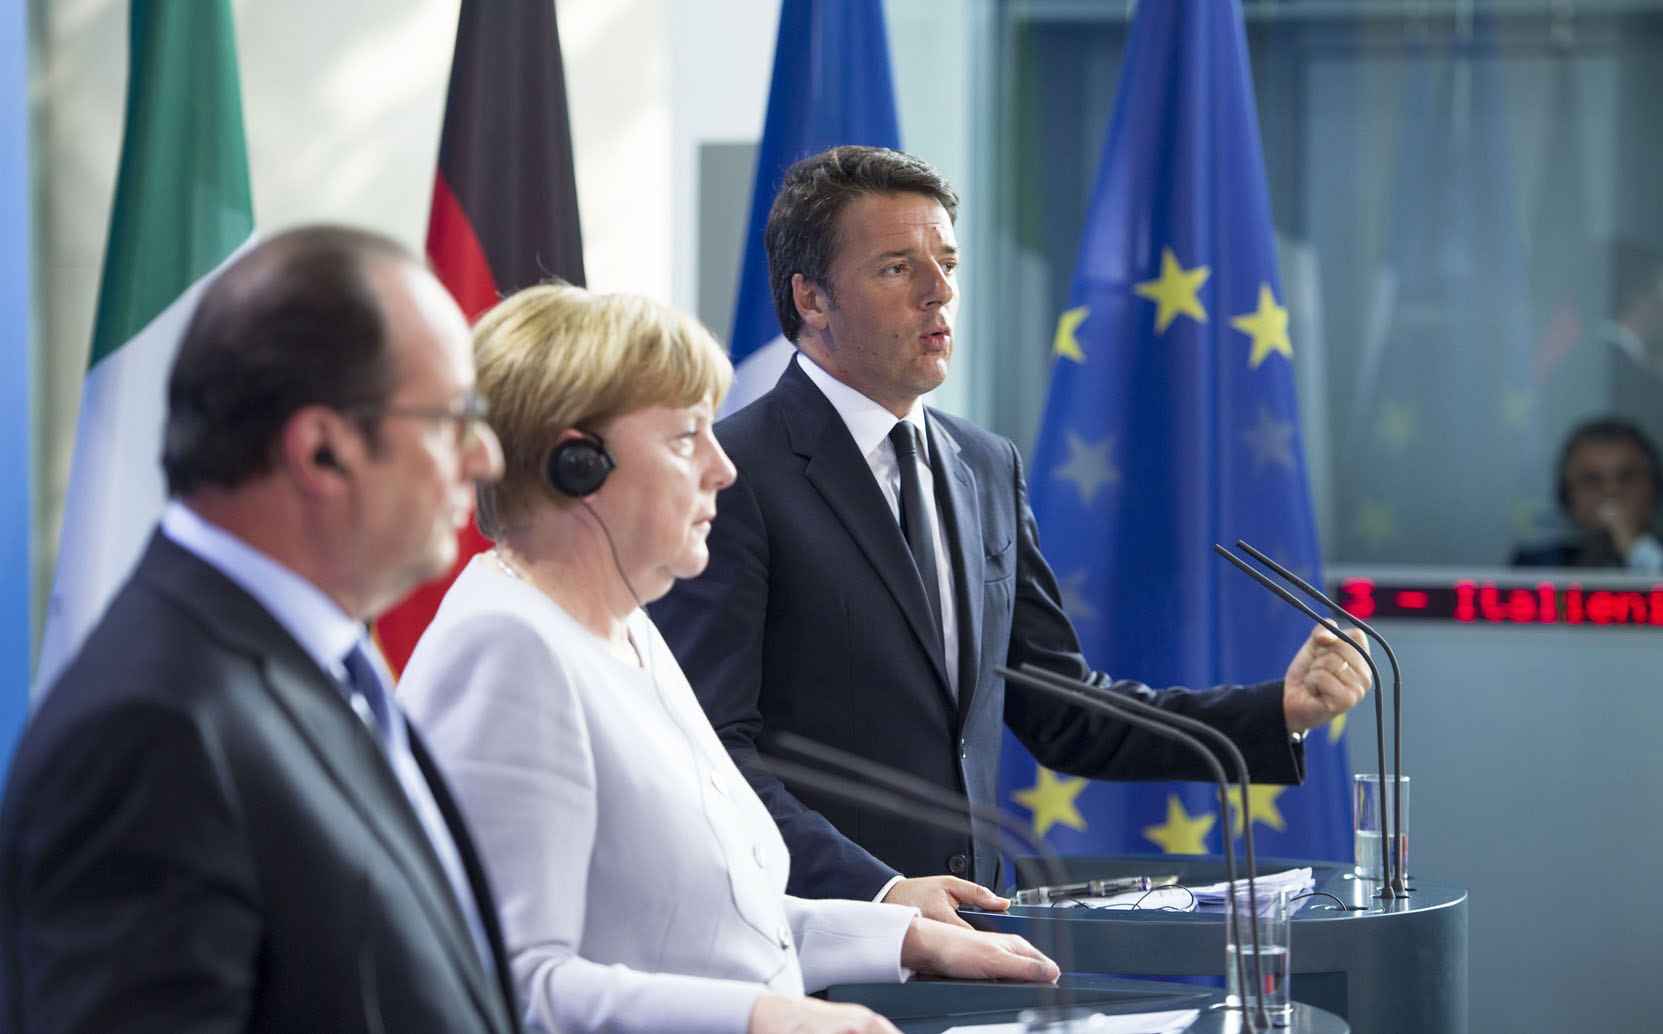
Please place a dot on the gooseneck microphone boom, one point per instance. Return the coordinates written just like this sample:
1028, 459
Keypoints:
1166, 725
1388, 889
1182, 721
1397, 881
923, 790
914, 798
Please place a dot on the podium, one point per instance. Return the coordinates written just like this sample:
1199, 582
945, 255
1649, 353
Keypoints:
1381, 966
932, 1006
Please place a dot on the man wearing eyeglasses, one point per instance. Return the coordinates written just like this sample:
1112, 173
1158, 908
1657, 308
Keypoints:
219, 820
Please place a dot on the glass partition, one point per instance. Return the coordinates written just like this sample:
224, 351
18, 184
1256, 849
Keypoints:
1468, 209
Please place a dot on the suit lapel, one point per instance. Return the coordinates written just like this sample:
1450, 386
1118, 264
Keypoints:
955, 492
478, 882
355, 760
342, 746
839, 473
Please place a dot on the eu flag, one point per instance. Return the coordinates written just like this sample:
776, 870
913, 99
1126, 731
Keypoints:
831, 87
1171, 424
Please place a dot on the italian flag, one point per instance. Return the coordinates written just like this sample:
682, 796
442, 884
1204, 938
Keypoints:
504, 212
182, 209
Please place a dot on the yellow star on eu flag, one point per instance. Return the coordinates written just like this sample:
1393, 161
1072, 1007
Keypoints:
1267, 326
1052, 800
1336, 728
1066, 343
1525, 515
1261, 801
1271, 441
1181, 834
1397, 425
1174, 291
1375, 522
1514, 406
1074, 601
1088, 465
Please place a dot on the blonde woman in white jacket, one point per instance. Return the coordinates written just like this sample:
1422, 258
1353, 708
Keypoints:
641, 881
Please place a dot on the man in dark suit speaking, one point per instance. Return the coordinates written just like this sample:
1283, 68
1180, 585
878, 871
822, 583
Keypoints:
876, 560
218, 819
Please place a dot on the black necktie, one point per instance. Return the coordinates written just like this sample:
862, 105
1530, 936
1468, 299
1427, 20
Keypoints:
915, 519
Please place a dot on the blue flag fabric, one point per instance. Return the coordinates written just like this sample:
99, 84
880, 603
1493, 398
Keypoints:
831, 86
1171, 424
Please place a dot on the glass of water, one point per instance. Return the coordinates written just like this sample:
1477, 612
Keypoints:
1368, 806
1268, 972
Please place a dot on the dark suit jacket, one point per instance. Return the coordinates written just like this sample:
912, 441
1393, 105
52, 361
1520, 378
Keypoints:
199, 835
811, 618
1581, 551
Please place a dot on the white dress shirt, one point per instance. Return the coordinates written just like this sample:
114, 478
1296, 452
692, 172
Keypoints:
869, 424
640, 879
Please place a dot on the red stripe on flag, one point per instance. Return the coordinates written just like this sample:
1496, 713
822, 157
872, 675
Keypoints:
504, 213
460, 265
398, 630
458, 260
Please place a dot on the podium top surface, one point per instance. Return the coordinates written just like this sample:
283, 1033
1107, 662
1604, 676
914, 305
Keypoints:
928, 1007
1351, 898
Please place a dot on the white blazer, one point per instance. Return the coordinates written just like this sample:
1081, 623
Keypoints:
641, 881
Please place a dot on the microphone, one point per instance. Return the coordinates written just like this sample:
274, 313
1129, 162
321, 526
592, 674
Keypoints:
1049, 893
1173, 727
914, 798
1181, 721
1391, 869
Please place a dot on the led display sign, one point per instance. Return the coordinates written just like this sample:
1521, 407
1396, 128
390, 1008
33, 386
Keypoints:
1481, 601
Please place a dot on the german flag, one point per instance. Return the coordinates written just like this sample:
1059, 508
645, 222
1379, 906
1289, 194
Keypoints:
504, 212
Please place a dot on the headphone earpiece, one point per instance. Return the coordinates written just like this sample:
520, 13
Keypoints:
578, 466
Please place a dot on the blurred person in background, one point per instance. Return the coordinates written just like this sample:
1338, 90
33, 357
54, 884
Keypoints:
1608, 486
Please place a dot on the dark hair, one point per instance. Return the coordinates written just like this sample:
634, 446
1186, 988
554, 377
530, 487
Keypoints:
295, 322
803, 234
1606, 429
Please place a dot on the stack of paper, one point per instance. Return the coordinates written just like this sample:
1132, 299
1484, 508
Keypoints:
1293, 881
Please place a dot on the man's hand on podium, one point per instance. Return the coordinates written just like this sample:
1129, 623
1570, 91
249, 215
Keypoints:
939, 897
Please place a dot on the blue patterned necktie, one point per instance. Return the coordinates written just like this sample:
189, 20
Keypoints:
374, 706
369, 695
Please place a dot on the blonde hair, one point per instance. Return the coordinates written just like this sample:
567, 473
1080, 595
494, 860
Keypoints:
554, 357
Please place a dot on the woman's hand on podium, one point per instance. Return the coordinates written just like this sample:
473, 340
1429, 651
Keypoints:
939, 949
788, 1014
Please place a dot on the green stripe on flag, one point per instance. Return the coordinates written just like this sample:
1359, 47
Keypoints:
182, 199
182, 209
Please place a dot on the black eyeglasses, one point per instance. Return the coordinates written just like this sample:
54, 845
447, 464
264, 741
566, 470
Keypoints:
466, 413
